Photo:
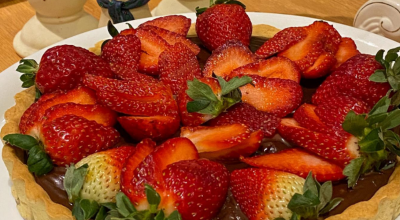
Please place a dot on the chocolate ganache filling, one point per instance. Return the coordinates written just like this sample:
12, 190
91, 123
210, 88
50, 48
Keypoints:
366, 187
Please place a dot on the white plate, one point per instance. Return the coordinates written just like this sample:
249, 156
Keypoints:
10, 84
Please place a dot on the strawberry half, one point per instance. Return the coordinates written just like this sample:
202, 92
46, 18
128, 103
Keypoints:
233, 140
246, 114
347, 49
272, 95
152, 46
264, 193
227, 57
172, 38
275, 67
70, 138
177, 65
30, 120
150, 171
197, 183
123, 54
339, 150
175, 23
102, 181
298, 162
223, 22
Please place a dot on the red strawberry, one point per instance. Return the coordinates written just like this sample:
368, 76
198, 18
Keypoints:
251, 117
229, 56
129, 31
63, 67
123, 54
152, 46
352, 79
223, 22
264, 193
347, 49
313, 53
333, 110
70, 138
150, 170
30, 119
277, 96
154, 127
175, 23
210, 140
178, 64
102, 181
139, 97
173, 38
194, 118
142, 150
275, 67
305, 115
339, 150
298, 162
194, 184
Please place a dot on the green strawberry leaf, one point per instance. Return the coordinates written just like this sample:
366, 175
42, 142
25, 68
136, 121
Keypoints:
103, 44
353, 171
199, 90
22, 141
85, 209
396, 66
111, 29
130, 26
38, 94
392, 120
372, 142
174, 216
124, 205
38, 161
233, 84
28, 66
378, 76
160, 215
311, 185
355, 124
102, 213
381, 106
394, 82
374, 120
200, 11
388, 166
197, 105
379, 57
153, 198
325, 195
395, 100
73, 181
331, 205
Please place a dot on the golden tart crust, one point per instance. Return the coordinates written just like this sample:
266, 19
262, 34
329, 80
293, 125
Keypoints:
34, 203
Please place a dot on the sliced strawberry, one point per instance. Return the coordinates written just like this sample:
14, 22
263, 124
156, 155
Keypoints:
281, 41
251, 117
347, 49
339, 150
245, 148
30, 119
277, 96
175, 23
129, 31
150, 169
298, 162
352, 79
194, 118
154, 127
305, 115
143, 149
223, 142
229, 56
321, 66
177, 65
97, 113
134, 97
70, 138
172, 38
123, 54
264, 193
152, 46
275, 67
333, 110
197, 183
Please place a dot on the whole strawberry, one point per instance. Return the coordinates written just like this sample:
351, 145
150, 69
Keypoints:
62, 68
223, 21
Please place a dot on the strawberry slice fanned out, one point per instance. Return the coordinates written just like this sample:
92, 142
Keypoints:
175, 23
275, 67
340, 150
123, 53
225, 142
272, 95
298, 162
229, 56
347, 49
177, 65
251, 117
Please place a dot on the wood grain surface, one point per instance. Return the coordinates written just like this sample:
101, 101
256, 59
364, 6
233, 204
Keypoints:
15, 13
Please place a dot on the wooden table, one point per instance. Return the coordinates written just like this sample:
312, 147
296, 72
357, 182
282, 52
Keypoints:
14, 14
